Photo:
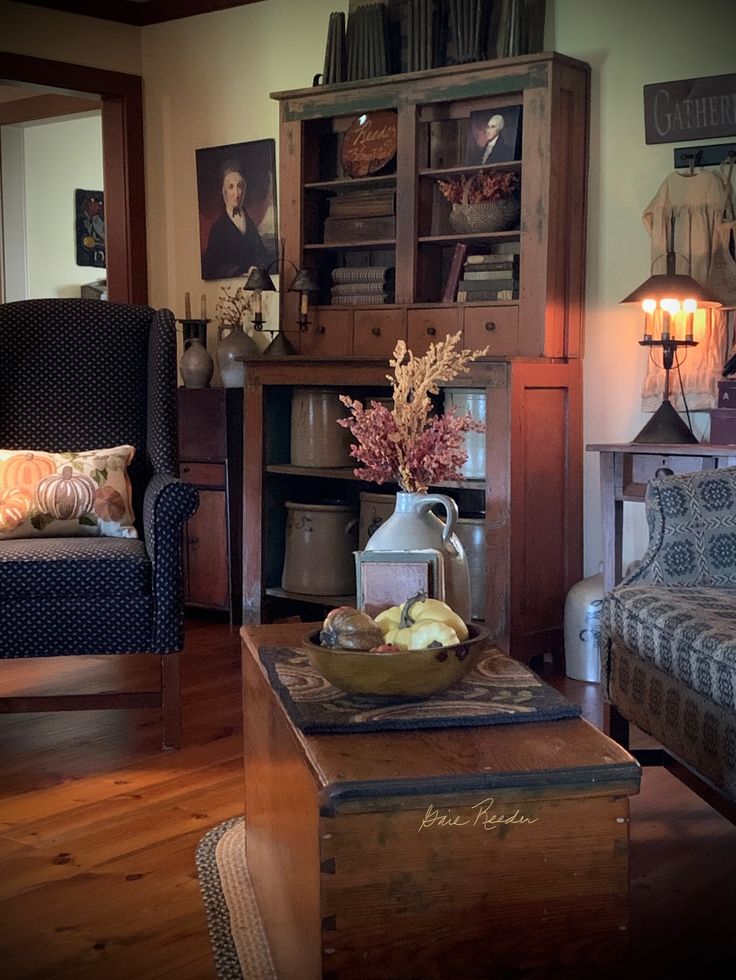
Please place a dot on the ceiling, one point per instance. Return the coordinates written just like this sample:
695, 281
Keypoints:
139, 12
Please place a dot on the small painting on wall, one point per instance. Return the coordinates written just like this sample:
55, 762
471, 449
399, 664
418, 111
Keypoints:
90, 228
494, 136
236, 190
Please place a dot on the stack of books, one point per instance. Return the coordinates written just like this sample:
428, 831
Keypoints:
368, 285
361, 216
489, 277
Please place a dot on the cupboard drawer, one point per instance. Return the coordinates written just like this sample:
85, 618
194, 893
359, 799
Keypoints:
425, 327
203, 474
375, 332
494, 327
330, 333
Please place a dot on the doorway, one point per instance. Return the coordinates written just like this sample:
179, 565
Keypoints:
121, 99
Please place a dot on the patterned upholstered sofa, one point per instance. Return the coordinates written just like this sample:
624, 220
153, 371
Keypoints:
668, 635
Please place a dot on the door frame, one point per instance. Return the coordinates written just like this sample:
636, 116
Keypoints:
122, 161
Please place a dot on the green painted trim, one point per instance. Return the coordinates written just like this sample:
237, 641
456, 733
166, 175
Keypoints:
387, 96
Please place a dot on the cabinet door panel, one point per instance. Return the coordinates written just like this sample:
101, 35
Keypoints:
494, 327
207, 553
330, 333
203, 474
427, 327
375, 333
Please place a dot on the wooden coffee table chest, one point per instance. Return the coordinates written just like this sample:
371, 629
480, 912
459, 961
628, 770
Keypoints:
443, 853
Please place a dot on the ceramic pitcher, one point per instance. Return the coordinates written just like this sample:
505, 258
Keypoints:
413, 526
235, 344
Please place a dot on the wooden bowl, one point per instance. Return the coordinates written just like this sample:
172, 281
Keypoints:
406, 673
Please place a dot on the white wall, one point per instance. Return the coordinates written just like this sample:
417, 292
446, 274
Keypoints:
207, 83
60, 156
628, 43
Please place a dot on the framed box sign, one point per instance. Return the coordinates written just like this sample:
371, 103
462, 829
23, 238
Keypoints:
388, 578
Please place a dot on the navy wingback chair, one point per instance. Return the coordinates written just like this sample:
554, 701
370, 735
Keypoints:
77, 375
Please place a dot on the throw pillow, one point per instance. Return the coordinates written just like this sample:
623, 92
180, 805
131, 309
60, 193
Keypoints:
66, 494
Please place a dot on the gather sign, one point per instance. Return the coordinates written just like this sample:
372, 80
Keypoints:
692, 108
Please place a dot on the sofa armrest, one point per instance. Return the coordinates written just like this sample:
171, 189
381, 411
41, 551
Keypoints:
692, 530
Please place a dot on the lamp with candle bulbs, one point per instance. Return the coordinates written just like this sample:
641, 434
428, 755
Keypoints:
260, 281
662, 298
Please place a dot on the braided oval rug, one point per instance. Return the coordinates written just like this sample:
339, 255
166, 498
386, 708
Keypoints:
239, 944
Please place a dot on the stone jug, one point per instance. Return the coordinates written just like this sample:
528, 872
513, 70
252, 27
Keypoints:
473, 401
316, 438
413, 526
196, 365
472, 534
236, 344
582, 629
320, 541
375, 508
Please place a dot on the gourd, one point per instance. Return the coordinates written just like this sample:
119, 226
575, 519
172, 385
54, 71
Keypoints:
23, 471
15, 506
347, 628
65, 495
418, 609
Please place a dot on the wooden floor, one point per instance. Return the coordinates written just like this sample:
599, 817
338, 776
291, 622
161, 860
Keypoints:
98, 829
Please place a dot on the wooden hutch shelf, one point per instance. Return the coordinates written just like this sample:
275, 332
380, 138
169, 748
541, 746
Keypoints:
531, 376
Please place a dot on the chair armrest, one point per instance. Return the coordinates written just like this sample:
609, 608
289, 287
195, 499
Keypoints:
167, 504
692, 530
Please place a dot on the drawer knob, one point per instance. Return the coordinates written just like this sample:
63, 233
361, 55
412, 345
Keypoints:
431, 331
185, 469
490, 325
376, 331
320, 328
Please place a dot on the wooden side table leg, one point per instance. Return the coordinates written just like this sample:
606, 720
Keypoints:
612, 519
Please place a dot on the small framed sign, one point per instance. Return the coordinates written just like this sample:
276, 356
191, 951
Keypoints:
690, 109
388, 578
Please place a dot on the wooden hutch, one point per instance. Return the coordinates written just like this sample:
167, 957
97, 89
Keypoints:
532, 493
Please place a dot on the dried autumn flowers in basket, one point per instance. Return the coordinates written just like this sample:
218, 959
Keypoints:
483, 202
409, 444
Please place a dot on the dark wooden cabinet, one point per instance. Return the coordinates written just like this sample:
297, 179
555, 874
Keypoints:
531, 495
211, 459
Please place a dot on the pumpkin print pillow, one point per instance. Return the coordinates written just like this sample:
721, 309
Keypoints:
66, 494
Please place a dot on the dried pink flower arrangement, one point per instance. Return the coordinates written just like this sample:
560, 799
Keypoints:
409, 445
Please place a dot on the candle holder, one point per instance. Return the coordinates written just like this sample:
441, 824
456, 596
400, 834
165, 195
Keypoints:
260, 281
193, 328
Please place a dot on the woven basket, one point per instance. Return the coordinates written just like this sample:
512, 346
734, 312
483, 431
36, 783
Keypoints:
485, 215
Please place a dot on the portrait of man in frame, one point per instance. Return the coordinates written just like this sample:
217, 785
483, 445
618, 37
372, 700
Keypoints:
236, 191
494, 136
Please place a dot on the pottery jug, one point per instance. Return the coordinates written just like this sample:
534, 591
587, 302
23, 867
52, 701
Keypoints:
237, 343
375, 508
196, 365
582, 629
320, 541
413, 526
473, 401
316, 438
472, 534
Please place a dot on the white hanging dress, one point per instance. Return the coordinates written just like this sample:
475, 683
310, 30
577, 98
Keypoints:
695, 201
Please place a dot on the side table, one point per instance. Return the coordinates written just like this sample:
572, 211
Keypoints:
626, 468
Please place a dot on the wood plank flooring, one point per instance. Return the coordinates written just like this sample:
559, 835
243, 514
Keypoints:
98, 829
